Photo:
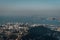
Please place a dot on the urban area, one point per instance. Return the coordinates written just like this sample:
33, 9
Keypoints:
27, 31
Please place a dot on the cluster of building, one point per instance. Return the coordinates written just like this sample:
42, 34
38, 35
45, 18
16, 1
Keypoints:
20, 29
50, 26
13, 29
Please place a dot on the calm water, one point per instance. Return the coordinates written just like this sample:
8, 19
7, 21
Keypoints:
28, 19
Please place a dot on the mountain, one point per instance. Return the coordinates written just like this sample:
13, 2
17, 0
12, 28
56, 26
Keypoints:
41, 33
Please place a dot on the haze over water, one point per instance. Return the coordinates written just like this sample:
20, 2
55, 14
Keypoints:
30, 7
10, 9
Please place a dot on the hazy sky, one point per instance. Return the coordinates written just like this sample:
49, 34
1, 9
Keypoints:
30, 7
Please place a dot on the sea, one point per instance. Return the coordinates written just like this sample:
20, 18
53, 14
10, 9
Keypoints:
32, 20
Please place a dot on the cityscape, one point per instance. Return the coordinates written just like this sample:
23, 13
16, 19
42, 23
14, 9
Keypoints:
29, 19
30, 31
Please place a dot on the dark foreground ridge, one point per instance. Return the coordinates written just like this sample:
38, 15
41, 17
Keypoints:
41, 33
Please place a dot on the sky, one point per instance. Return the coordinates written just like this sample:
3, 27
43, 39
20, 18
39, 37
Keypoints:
29, 7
